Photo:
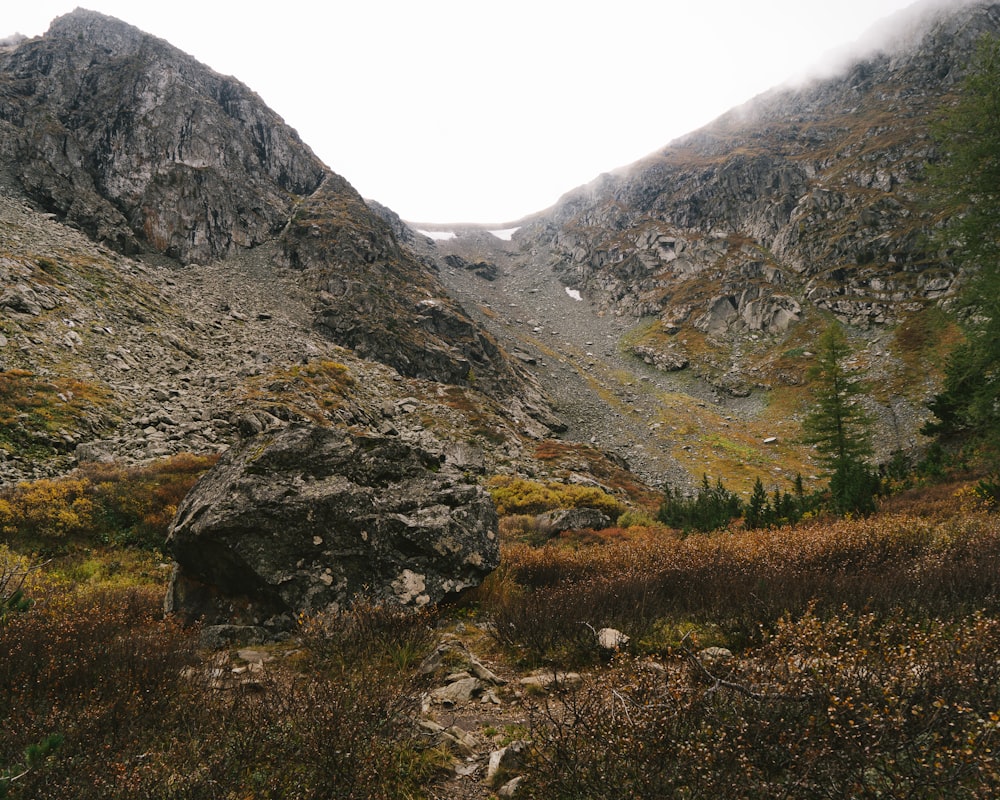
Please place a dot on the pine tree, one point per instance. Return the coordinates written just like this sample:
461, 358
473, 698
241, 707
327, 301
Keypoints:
838, 426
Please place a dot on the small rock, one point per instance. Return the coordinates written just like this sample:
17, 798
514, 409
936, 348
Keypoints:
461, 740
548, 681
216, 637
713, 655
458, 692
566, 519
484, 673
254, 656
611, 639
510, 788
505, 759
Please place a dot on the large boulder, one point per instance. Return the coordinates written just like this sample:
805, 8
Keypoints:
309, 518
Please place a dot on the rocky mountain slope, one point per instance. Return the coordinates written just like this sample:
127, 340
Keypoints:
724, 254
175, 260
806, 195
177, 267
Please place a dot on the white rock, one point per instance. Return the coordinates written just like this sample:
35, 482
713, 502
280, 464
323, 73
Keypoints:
611, 639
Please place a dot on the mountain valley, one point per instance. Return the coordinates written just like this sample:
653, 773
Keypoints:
705, 273
302, 499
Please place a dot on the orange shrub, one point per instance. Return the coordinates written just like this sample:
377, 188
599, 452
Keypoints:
744, 581
101, 504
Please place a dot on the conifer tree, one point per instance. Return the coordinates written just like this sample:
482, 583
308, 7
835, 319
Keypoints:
838, 426
758, 510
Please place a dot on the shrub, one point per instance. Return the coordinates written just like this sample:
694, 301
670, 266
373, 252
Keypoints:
135, 506
926, 555
14, 571
100, 504
47, 509
849, 706
35, 412
100, 670
520, 496
141, 714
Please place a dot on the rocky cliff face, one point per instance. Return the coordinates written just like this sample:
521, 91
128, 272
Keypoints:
141, 146
805, 197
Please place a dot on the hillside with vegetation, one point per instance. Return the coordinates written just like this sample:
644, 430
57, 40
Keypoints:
745, 483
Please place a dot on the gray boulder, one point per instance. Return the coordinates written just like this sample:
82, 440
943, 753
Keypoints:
309, 518
571, 519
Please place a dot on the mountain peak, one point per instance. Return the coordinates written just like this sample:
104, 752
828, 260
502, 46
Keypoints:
97, 30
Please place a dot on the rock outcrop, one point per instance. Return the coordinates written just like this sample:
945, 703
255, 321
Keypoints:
141, 146
307, 518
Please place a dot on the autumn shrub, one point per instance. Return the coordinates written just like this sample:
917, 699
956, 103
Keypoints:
864, 706
312, 390
47, 509
134, 506
140, 712
336, 723
521, 496
14, 572
743, 581
100, 504
101, 671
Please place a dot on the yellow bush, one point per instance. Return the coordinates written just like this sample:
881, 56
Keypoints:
520, 496
48, 508
102, 503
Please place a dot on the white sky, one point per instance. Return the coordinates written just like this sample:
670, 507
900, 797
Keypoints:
485, 111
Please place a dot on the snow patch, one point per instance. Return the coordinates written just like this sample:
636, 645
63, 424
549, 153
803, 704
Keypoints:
574, 293
441, 235
504, 233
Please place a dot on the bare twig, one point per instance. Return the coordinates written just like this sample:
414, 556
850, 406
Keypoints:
624, 703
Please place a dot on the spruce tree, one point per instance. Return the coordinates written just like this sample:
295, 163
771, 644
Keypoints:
758, 510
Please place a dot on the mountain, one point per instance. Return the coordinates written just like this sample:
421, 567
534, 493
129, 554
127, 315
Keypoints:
179, 267
174, 252
806, 196
724, 254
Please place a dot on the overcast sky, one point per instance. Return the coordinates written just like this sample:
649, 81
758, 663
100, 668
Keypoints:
487, 111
